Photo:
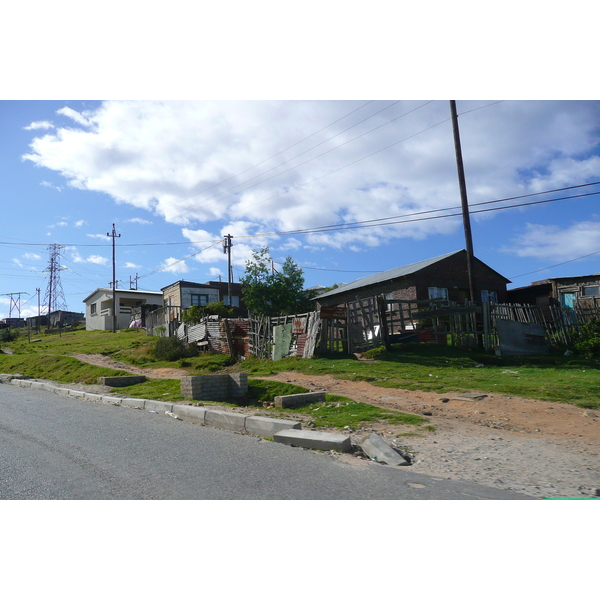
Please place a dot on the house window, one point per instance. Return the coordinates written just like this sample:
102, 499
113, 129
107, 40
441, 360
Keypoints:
235, 300
591, 290
93, 309
199, 299
436, 293
488, 296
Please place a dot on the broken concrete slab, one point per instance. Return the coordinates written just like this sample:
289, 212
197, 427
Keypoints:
379, 450
266, 427
293, 400
316, 440
122, 381
469, 397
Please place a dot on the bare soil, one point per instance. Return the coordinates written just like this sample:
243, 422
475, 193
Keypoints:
544, 449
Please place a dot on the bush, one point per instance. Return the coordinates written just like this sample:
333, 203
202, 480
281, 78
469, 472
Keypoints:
194, 314
6, 335
587, 339
172, 349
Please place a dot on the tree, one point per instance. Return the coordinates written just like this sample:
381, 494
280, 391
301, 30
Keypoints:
272, 293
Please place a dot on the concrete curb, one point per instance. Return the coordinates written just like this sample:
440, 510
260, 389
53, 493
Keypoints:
231, 421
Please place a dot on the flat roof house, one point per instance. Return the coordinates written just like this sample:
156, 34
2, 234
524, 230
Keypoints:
99, 306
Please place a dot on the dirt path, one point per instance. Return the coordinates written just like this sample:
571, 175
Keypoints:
100, 360
544, 449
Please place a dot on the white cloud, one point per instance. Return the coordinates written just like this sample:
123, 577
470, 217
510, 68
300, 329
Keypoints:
79, 223
31, 256
98, 236
130, 265
139, 221
51, 185
39, 125
81, 118
97, 260
175, 265
60, 224
17, 262
215, 272
94, 258
247, 166
553, 243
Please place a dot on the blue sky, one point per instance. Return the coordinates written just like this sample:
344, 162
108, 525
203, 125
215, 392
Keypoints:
176, 176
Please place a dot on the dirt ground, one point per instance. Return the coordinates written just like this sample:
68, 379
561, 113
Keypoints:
544, 449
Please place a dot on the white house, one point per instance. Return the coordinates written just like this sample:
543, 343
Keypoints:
99, 306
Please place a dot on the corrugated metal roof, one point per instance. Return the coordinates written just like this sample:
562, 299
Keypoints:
387, 275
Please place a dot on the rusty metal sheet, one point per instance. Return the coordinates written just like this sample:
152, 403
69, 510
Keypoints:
299, 325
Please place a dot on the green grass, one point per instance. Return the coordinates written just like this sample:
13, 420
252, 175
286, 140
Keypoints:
167, 390
61, 369
442, 369
428, 367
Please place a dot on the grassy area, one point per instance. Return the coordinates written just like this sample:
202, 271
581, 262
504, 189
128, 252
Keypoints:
61, 369
444, 370
428, 367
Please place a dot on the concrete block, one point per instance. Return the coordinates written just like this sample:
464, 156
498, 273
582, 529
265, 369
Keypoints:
225, 420
122, 381
19, 382
92, 397
48, 387
38, 385
378, 449
76, 393
316, 440
111, 400
158, 406
266, 427
193, 414
61, 391
294, 400
133, 402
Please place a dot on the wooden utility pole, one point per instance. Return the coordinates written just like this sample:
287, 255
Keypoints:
464, 202
227, 249
114, 235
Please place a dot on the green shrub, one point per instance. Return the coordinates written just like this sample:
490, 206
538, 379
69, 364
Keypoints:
7, 335
587, 339
172, 349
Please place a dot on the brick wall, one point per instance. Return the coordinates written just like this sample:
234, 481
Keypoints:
216, 388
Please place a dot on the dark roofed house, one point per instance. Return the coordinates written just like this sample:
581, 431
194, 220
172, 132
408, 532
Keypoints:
443, 277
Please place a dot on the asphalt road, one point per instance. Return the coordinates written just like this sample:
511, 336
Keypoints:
54, 447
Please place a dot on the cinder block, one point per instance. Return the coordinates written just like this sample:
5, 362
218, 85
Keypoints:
266, 427
225, 420
378, 449
193, 414
158, 406
133, 402
316, 440
122, 381
294, 400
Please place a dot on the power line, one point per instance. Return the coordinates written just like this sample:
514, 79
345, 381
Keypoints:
557, 265
286, 149
327, 152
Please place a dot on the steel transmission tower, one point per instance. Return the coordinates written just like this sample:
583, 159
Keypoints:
55, 297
